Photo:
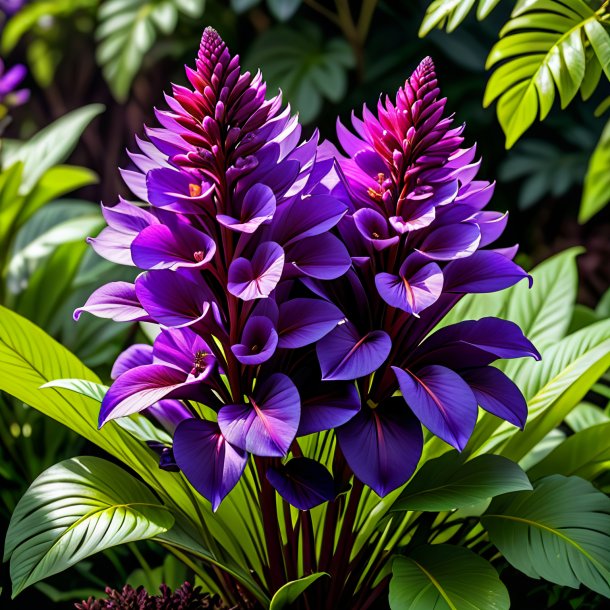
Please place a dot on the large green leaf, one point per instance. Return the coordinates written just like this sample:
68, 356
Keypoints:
596, 193
448, 14
74, 509
585, 454
449, 482
445, 577
49, 146
286, 596
542, 49
128, 29
559, 532
304, 65
30, 358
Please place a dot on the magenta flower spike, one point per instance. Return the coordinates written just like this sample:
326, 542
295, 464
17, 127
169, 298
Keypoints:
414, 230
232, 220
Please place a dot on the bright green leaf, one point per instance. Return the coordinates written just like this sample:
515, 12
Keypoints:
75, 509
596, 192
93, 390
445, 577
286, 595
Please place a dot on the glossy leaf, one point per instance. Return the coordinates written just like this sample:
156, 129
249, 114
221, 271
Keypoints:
559, 532
74, 509
449, 482
448, 14
286, 595
445, 577
543, 51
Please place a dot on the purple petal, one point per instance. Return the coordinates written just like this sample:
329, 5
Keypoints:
492, 225
159, 247
268, 424
374, 228
474, 343
134, 355
441, 400
177, 191
211, 464
117, 301
383, 445
484, 271
411, 294
257, 208
345, 355
169, 413
302, 482
330, 405
306, 217
497, 394
256, 279
305, 321
138, 389
322, 256
451, 241
185, 350
258, 341
173, 298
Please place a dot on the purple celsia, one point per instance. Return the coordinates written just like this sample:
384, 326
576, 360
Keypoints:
296, 288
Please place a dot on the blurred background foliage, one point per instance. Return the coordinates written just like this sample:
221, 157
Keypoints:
530, 75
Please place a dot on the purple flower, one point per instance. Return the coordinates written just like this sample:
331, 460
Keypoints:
10, 79
414, 230
232, 220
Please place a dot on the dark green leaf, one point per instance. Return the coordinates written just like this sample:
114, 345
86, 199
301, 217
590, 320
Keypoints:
291, 591
445, 577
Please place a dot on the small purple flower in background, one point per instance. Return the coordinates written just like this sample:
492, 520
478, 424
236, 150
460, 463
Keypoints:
296, 288
10, 7
10, 79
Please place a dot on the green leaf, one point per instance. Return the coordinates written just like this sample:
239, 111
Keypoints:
449, 482
596, 192
542, 51
586, 415
585, 454
559, 532
445, 577
286, 596
241, 6
127, 29
93, 390
283, 9
50, 146
30, 358
449, 14
305, 65
75, 509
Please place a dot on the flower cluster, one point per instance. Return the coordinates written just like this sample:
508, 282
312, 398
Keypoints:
295, 288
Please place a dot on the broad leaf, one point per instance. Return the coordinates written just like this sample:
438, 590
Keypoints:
596, 193
543, 50
445, 577
304, 65
50, 146
449, 482
74, 509
30, 358
286, 595
559, 532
